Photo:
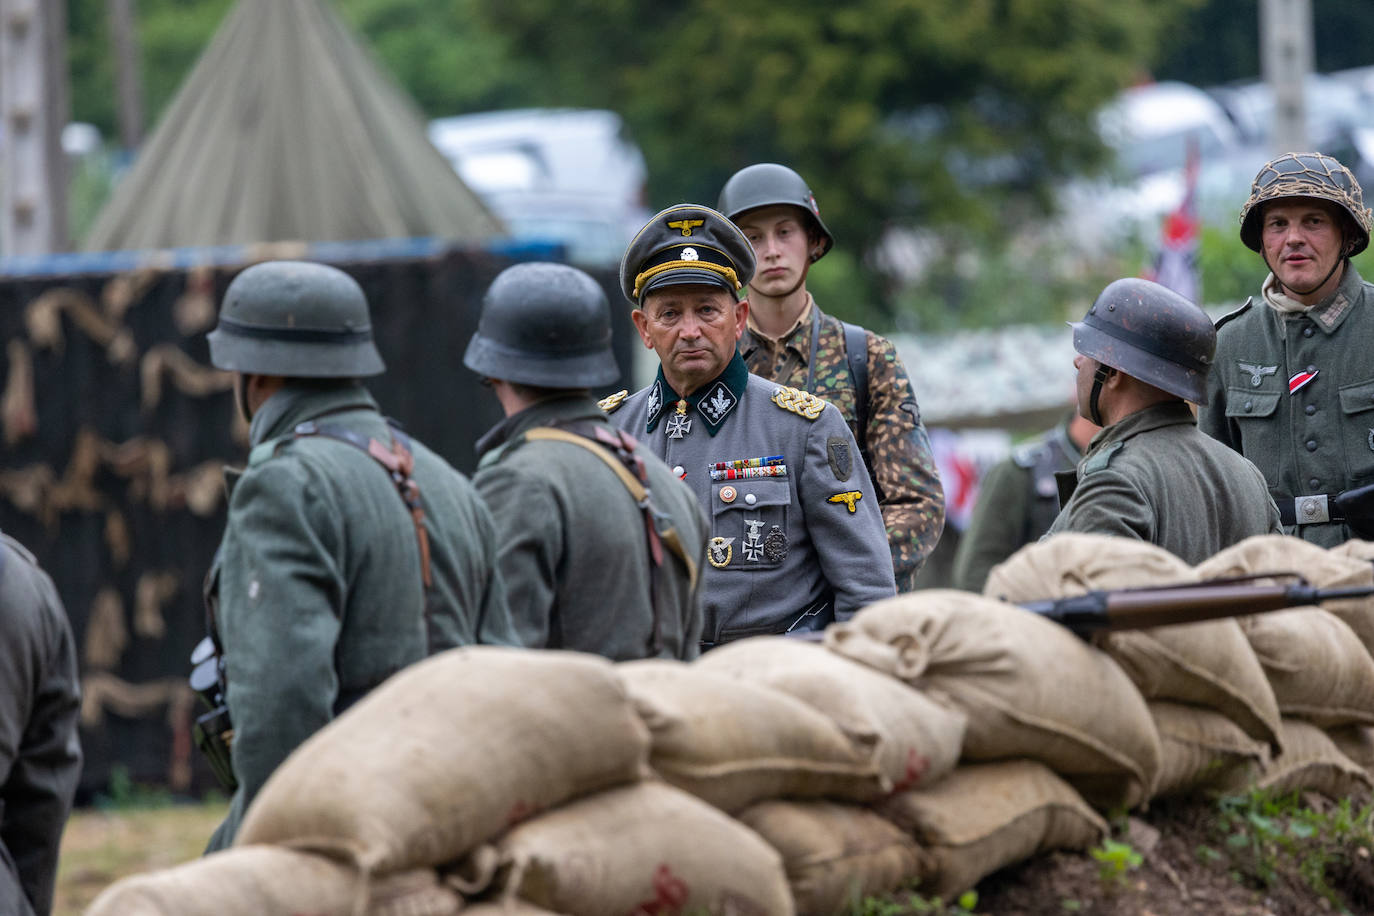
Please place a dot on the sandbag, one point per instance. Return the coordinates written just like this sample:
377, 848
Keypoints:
1355, 742
983, 817
836, 854
506, 908
244, 881
1202, 750
644, 848
448, 753
1319, 668
1024, 682
1357, 612
732, 743
1311, 762
1204, 664
917, 740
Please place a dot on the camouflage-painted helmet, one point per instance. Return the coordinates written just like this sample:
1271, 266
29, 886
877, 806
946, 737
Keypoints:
547, 325
298, 319
769, 184
1304, 175
1150, 333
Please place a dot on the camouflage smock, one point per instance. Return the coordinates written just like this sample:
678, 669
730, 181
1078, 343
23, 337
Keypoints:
903, 467
1155, 477
316, 586
1309, 434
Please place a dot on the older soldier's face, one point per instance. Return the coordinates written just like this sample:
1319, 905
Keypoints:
693, 329
1303, 239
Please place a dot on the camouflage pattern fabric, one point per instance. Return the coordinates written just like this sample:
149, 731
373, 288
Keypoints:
902, 466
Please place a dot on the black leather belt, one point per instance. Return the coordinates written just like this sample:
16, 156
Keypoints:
1317, 509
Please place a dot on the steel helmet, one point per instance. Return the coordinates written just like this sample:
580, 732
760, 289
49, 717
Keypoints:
547, 325
298, 319
769, 184
1305, 175
1150, 333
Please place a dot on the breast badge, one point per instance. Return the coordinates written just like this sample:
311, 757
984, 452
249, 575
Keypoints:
720, 551
775, 545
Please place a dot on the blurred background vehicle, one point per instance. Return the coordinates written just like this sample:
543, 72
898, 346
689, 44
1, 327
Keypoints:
567, 175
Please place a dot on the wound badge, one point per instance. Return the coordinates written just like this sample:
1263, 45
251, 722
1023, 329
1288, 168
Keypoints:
775, 545
719, 552
840, 456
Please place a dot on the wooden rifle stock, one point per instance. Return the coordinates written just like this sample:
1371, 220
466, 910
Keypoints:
1141, 608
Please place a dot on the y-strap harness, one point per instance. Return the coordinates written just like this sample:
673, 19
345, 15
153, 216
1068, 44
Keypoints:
617, 449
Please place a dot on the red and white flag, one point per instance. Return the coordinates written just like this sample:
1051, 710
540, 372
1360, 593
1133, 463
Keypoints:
1175, 264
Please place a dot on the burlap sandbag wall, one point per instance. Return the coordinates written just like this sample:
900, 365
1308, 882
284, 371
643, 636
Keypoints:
1021, 680
1207, 664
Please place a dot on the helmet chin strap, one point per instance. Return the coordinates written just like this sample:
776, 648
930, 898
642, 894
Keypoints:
1100, 376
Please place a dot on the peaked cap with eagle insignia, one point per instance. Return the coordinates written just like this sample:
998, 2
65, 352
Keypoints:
686, 244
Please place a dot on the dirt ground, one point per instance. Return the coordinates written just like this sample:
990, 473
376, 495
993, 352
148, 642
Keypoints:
99, 847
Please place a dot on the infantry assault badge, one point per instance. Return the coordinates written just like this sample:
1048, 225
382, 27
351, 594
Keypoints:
719, 552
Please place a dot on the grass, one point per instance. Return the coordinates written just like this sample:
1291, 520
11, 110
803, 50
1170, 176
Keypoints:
102, 845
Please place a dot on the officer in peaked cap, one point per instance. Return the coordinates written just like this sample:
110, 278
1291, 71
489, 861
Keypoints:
1143, 352
350, 550
600, 545
796, 536
1292, 388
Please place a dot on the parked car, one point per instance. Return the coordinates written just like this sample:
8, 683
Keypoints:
571, 176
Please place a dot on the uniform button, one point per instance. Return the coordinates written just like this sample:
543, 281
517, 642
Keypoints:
1310, 409
1311, 445
679, 470
1311, 369
1314, 483
1249, 405
1307, 332
750, 498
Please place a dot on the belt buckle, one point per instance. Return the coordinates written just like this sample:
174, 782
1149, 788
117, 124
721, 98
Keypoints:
1311, 510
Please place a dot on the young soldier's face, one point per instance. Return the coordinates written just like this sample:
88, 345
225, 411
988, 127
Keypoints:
782, 248
1302, 241
693, 329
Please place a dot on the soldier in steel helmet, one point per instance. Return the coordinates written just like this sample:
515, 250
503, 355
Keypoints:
40, 755
600, 545
1143, 352
350, 549
1293, 384
789, 340
797, 537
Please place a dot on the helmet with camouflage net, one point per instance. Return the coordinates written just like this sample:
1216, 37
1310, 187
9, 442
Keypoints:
769, 184
547, 325
1305, 175
1150, 333
297, 319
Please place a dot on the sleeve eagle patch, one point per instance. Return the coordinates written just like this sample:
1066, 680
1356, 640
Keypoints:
799, 402
611, 403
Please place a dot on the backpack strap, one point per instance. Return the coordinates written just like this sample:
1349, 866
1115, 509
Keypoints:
856, 350
399, 462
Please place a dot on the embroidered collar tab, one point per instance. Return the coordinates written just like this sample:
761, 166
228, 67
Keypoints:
714, 402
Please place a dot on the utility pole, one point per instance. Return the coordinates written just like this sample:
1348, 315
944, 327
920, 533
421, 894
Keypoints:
1287, 56
33, 110
125, 39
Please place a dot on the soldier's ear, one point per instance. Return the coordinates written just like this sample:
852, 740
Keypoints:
642, 326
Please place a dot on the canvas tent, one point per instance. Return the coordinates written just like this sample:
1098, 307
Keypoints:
286, 129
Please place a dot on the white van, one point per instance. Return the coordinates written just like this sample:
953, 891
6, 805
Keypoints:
565, 175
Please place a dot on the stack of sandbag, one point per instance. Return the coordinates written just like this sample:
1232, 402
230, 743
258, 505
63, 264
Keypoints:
1204, 751
835, 853
449, 753
732, 743
915, 740
1030, 688
984, 817
257, 880
641, 848
1320, 669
